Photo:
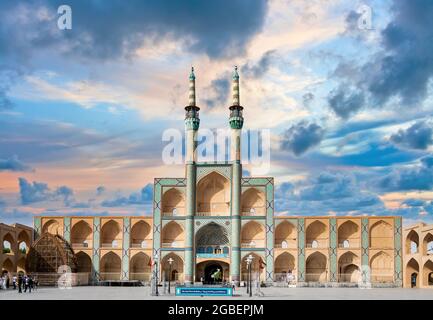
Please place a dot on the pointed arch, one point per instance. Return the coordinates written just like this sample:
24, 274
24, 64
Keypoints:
381, 266
23, 241
8, 266
139, 267
52, 226
84, 262
213, 195
428, 274
285, 235
412, 272
253, 235
140, 234
81, 235
257, 269
316, 267
173, 235
110, 266
412, 242
284, 263
428, 244
253, 202
8, 243
348, 267
173, 203
348, 235
176, 267
317, 233
111, 234
21, 265
381, 235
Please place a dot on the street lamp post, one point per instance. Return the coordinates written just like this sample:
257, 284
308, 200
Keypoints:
250, 257
248, 261
170, 262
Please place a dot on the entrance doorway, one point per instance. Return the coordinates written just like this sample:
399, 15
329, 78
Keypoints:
213, 274
413, 279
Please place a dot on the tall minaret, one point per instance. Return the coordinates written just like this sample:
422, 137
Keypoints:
236, 121
192, 123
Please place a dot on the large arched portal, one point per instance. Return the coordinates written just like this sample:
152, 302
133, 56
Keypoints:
213, 195
316, 267
212, 272
212, 240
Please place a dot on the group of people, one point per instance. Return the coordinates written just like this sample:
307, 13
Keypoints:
20, 282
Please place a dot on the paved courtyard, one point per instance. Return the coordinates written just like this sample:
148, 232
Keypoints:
143, 293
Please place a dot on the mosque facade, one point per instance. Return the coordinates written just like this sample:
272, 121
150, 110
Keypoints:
215, 219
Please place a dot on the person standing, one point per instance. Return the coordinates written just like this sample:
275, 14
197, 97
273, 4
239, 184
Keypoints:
20, 283
30, 280
14, 282
26, 283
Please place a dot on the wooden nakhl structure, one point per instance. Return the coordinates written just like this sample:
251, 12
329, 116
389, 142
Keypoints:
49, 255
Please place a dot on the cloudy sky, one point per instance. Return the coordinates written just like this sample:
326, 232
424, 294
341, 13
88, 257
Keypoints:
348, 101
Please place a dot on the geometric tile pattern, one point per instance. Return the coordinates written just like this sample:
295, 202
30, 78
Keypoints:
268, 183
301, 250
364, 250
67, 228
37, 224
125, 249
333, 249
96, 247
398, 271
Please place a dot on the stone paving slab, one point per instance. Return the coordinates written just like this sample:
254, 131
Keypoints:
143, 293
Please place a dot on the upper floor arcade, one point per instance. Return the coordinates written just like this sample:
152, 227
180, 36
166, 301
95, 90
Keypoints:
101, 232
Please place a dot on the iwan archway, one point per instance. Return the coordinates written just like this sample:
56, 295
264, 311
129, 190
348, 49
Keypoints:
212, 272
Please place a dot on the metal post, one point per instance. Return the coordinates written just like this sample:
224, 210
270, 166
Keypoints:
156, 279
170, 261
251, 287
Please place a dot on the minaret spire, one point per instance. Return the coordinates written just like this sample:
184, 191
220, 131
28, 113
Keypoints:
235, 87
192, 101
